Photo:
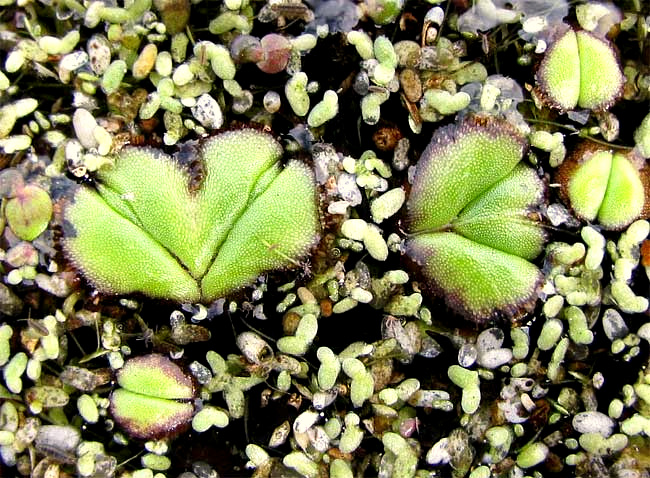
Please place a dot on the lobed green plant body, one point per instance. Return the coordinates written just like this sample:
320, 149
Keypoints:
468, 223
154, 397
605, 186
27, 207
352, 385
580, 70
143, 230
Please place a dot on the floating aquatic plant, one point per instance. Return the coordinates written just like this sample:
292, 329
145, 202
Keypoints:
155, 398
27, 207
468, 219
358, 409
383, 12
143, 230
270, 53
605, 186
581, 70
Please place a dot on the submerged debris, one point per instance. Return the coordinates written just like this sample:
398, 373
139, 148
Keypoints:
304, 310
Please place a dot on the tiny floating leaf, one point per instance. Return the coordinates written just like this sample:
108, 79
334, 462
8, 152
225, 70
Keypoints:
605, 186
143, 230
468, 219
580, 70
29, 211
155, 398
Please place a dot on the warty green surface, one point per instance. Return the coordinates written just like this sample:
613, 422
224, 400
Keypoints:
588, 184
580, 70
154, 398
470, 232
496, 219
559, 73
459, 163
601, 78
157, 376
144, 231
608, 188
148, 417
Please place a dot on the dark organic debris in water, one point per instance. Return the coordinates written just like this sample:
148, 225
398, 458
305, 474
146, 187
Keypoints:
324, 238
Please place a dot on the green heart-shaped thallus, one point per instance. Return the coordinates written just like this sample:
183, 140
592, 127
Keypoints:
155, 398
469, 224
143, 230
580, 69
605, 186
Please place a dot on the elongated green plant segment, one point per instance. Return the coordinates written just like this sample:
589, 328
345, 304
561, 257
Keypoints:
144, 230
155, 375
625, 196
460, 163
559, 74
588, 185
476, 280
495, 218
262, 240
580, 70
155, 398
127, 260
642, 137
469, 224
601, 78
605, 187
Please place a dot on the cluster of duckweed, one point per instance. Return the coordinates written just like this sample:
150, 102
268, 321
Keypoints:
345, 361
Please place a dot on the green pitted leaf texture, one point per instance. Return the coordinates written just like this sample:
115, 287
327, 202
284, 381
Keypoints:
155, 397
148, 417
472, 219
146, 228
460, 162
476, 280
155, 375
581, 70
604, 186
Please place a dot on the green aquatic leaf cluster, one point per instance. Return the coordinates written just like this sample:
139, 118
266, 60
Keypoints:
143, 229
154, 397
468, 219
581, 70
605, 186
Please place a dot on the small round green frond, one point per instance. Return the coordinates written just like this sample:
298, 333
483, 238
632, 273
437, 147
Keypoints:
580, 70
605, 187
29, 212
